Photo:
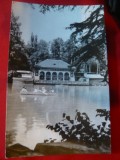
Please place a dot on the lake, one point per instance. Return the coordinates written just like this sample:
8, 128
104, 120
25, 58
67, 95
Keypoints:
28, 115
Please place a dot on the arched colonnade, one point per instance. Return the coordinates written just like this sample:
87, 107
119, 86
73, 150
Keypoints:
54, 75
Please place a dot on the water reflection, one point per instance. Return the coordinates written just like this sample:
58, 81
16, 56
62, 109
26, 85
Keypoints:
30, 134
28, 115
36, 98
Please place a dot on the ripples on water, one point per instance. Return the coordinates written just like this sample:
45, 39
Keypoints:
28, 115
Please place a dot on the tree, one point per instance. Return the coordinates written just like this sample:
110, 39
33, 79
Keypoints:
43, 50
34, 42
91, 34
69, 49
57, 48
41, 53
45, 8
32, 46
17, 56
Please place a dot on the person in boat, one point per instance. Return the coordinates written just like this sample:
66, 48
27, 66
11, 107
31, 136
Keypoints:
52, 91
44, 90
23, 90
35, 90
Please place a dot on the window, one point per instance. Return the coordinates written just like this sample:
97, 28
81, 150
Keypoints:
42, 75
60, 76
48, 76
54, 76
66, 76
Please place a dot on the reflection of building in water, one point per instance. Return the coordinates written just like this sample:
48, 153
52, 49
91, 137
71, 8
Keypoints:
53, 70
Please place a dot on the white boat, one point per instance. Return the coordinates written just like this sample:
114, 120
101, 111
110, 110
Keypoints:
42, 94
37, 92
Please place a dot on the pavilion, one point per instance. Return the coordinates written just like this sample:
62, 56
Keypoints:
53, 70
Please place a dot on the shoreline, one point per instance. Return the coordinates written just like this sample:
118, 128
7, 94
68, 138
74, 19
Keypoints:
47, 149
93, 82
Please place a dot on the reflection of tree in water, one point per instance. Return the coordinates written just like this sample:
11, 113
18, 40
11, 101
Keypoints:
81, 130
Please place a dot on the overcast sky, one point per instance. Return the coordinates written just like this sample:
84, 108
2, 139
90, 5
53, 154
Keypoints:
47, 26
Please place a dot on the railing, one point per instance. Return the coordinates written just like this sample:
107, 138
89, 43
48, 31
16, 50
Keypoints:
58, 82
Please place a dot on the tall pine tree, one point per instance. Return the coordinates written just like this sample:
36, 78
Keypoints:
17, 55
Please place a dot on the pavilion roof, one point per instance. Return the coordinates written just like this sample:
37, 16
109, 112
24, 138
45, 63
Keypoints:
52, 63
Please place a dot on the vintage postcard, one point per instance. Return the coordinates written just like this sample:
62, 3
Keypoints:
58, 86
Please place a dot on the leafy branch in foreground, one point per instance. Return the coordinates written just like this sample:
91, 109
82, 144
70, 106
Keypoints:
46, 8
81, 130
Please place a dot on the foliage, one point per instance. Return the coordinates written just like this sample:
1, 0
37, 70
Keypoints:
103, 113
43, 47
34, 42
81, 130
87, 41
41, 53
57, 48
91, 35
46, 8
17, 56
69, 49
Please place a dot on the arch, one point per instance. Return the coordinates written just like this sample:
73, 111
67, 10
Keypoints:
82, 68
54, 76
66, 76
48, 76
87, 68
94, 67
42, 75
60, 76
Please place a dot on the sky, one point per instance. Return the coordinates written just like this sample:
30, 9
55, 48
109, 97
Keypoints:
47, 26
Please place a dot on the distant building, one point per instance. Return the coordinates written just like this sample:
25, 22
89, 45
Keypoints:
53, 70
92, 66
91, 70
22, 74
